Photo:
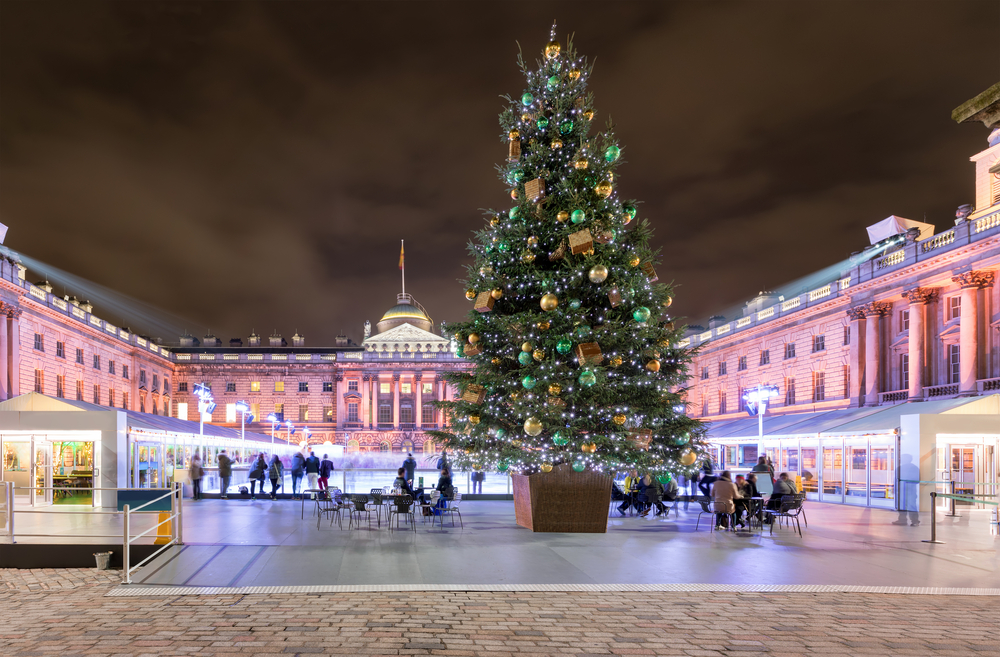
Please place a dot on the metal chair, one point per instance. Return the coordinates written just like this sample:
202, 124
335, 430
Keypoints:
712, 511
452, 510
790, 508
434, 496
360, 503
402, 506
376, 503
330, 504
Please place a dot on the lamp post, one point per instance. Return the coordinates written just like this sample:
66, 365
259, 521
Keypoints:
291, 431
756, 399
206, 404
305, 434
244, 411
273, 419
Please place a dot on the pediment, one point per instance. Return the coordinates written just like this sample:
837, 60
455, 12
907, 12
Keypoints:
405, 334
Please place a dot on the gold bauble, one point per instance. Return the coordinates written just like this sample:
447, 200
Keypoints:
546, 468
562, 216
516, 443
538, 354
555, 389
495, 361
485, 271
477, 467
653, 365
532, 241
620, 419
543, 325
598, 274
603, 189
473, 338
581, 162
497, 293
663, 343
669, 302
588, 448
513, 134
635, 260
589, 115
513, 194
470, 294
516, 395
549, 302
616, 361
527, 256
525, 118
495, 221
555, 144
626, 220
527, 346
474, 419
532, 426
574, 74
688, 458
552, 49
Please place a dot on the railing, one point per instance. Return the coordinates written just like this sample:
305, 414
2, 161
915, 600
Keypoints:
176, 530
893, 397
791, 303
890, 260
986, 385
945, 390
824, 291
985, 223
362, 480
936, 242
767, 312
743, 321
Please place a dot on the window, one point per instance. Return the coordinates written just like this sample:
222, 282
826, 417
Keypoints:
352, 412
156, 383
40, 381
742, 364
39, 342
904, 371
111, 397
124, 371
427, 388
789, 390
722, 368
847, 381
428, 413
79, 390
303, 386
328, 386
230, 386
954, 364
406, 388
182, 386
60, 386
255, 386
97, 362
904, 320
166, 386
125, 401
142, 378
722, 402
279, 386
704, 373
406, 414
789, 350
142, 406
819, 386
79, 356
819, 343
847, 335
182, 410
328, 413
383, 388
279, 412
352, 385
97, 394
303, 412
384, 414
156, 412
704, 405
60, 350
954, 307
384, 446
765, 357
111, 367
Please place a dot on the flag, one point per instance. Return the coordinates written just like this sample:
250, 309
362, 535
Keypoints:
3, 234
400, 255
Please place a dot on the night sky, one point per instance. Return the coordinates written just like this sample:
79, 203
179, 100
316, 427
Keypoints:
255, 165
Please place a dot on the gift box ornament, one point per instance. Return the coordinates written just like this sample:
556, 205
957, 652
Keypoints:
484, 302
474, 393
615, 298
581, 241
556, 402
514, 152
589, 353
647, 269
640, 438
604, 237
534, 189
472, 350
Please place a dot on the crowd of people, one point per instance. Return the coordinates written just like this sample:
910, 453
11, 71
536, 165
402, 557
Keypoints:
317, 473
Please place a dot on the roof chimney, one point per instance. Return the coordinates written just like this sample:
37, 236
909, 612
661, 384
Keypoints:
276, 340
298, 340
254, 340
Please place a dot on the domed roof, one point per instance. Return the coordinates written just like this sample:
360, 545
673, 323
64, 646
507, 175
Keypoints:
405, 311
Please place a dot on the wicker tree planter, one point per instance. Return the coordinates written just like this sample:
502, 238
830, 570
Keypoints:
562, 501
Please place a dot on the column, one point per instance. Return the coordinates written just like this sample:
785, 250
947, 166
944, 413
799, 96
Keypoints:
968, 330
14, 339
918, 298
363, 411
395, 401
874, 312
338, 400
418, 412
857, 355
4, 360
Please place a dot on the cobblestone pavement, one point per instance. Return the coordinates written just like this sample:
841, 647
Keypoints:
77, 620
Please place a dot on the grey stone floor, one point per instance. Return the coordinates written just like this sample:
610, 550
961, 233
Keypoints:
266, 543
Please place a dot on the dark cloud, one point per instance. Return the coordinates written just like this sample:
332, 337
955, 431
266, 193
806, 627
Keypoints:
255, 165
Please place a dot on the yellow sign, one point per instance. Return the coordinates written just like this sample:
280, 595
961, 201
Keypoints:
163, 531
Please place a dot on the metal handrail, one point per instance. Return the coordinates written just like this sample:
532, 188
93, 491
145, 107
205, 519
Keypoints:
968, 498
176, 536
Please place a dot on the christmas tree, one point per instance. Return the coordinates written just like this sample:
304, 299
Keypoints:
575, 358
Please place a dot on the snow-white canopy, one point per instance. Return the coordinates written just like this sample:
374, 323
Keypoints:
894, 225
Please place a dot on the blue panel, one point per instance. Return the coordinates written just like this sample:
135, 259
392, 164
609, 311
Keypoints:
136, 498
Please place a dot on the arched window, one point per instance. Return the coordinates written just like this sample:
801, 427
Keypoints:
352, 445
385, 446
407, 445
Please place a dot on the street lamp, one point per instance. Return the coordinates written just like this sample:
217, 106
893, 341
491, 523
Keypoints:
275, 421
245, 416
305, 434
291, 431
756, 399
206, 404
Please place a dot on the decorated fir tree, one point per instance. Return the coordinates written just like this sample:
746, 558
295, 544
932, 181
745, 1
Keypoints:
575, 358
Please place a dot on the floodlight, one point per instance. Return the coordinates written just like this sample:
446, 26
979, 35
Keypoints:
242, 407
210, 408
250, 418
272, 418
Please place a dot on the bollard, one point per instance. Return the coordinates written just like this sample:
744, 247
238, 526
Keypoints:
126, 577
951, 507
933, 519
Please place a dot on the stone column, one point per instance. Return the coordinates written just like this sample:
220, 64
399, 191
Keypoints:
365, 388
4, 359
14, 339
968, 331
395, 402
874, 312
918, 298
338, 401
857, 355
418, 395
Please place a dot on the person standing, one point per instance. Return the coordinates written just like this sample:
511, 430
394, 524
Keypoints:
298, 470
257, 475
276, 472
763, 466
478, 477
443, 463
692, 484
225, 474
312, 471
705, 484
196, 472
325, 470
410, 468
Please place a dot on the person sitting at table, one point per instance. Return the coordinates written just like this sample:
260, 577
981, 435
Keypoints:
630, 489
743, 504
651, 490
444, 487
724, 494
782, 486
403, 484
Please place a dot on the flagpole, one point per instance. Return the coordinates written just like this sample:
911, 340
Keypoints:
402, 266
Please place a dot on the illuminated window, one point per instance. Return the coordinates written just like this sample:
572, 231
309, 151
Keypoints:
279, 412
255, 386
328, 413
303, 386
384, 388
428, 388
40, 381
303, 412
328, 386
182, 410
405, 388
279, 386
230, 412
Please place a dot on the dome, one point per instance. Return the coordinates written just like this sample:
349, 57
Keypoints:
406, 311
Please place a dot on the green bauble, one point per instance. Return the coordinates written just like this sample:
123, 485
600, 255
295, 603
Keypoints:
502, 247
524, 358
579, 466
501, 432
629, 211
529, 381
578, 216
564, 346
612, 154
513, 213
527, 99
552, 83
566, 127
582, 331
574, 304
664, 479
641, 314
587, 378
560, 438
518, 176
502, 466
542, 123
